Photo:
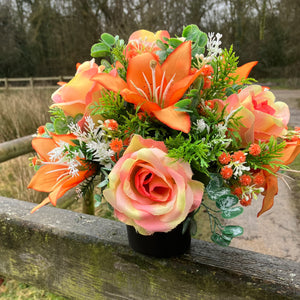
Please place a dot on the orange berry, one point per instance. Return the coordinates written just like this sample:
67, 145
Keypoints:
111, 124
245, 179
254, 149
245, 202
239, 156
226, 172
259, 179
41, 130
224, 158
116, 145
237, 191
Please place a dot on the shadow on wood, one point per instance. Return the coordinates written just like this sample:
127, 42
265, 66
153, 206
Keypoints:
86, 257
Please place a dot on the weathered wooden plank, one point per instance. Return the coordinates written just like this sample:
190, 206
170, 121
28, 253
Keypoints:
32, 82
85, 257
15, 148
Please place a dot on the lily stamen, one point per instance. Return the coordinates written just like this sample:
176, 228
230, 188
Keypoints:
141, 92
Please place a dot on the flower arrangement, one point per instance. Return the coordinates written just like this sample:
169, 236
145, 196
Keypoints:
157, 123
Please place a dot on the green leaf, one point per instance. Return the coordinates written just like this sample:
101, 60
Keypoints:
99, 50
36, 167
174, 43
77, 118
214, 194
226, 201
232, 212
98, 200
194, 34
106, 64
198, 50
186, 224
202, 39
60, 126
220, 240
191, 32
103, 183
183, 103
50, 127
216, 180
162, 55
161, 45
233, 231
108, 39
193, 227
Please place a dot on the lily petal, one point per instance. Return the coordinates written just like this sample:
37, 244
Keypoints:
177, 120
110, 82
178, 62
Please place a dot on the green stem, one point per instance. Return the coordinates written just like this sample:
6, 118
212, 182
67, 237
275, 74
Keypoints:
88, 206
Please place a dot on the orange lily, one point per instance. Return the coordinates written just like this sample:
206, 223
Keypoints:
290, 152
157, 88
142, 41
53, 176
243, 71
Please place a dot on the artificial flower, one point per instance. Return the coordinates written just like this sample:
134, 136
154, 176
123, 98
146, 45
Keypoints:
155, 87
75, 96
234, 146
261, 116
151, 191
142, 41
55, 175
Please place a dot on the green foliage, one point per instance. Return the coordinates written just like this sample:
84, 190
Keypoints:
224, 67
60, 122
198, 38
112, 48
270, 155
225, 203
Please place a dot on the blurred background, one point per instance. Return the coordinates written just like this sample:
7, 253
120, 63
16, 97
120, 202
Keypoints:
48, 37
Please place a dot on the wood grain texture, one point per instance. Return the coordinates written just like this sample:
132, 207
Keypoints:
86, 257
15, 148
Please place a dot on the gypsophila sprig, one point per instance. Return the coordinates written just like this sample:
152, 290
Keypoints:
154, 123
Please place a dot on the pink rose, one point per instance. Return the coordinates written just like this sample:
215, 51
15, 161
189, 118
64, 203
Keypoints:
262, 117
151, 191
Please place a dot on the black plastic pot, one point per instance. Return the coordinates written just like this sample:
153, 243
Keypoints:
160, 244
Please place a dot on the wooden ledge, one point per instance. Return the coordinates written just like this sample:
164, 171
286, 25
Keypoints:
86, 257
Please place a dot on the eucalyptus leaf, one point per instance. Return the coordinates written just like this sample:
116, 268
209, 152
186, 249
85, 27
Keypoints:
50, 127
186, 224
232, 212
233, 230
161, 45
220, 240
99, 50
191, 32
226, 201
60, 126
106, 64
103, 183
98, 200
202, 39
214, 194
193, 226
162, 55
77, 118
108, 39
216, 181
174, 43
